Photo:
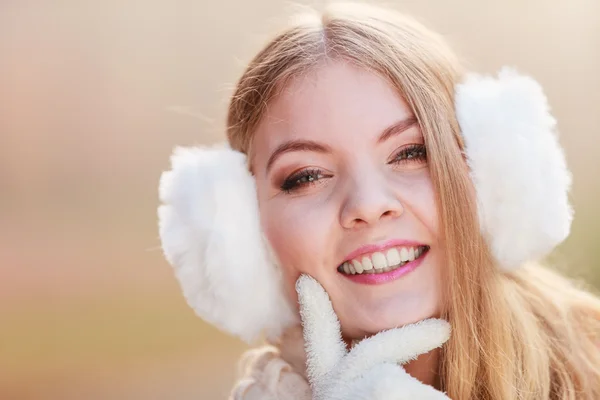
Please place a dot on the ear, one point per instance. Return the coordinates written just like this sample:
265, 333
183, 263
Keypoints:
210, 232
517, 166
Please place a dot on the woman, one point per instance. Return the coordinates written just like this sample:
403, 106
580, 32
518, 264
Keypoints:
396, 204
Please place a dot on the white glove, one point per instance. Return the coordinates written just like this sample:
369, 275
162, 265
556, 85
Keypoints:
371, 370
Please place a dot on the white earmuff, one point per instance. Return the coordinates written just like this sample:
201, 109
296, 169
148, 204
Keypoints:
517, 166
210, 231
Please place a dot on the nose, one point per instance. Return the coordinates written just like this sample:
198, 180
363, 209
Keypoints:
369, 201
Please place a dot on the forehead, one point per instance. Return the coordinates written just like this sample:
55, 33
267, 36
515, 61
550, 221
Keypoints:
335, 103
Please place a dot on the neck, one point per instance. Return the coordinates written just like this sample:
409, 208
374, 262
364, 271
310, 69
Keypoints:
425, 368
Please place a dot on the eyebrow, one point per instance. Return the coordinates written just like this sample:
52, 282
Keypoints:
297, 145
310, 145
397, 128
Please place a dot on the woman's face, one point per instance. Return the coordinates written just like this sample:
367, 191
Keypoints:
345, 196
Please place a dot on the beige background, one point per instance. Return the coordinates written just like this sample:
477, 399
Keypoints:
93, 96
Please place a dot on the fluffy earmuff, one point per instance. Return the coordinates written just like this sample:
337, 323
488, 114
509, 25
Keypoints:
210, 231
517, 166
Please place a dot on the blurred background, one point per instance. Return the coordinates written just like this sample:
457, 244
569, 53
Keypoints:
94, 94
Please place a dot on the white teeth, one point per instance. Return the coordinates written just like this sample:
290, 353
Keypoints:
346, 268
418, 252
379, 261
352, 270
411, 254
403, 254
393, 257
358, 267
367, 264
382, 261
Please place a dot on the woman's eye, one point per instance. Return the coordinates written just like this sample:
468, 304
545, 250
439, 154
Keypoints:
415, 153
301, 179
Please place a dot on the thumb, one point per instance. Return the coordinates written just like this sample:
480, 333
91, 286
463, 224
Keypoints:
399, 345
321, 327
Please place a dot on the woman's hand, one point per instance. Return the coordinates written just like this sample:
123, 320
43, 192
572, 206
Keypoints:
372, 369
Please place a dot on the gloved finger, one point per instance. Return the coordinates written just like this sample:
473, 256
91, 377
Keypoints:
390, 381
398, 345
321, 327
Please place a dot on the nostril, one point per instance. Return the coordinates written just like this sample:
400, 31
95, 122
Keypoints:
357, 213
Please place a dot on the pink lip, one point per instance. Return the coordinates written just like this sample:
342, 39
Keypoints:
371, 248
377, 279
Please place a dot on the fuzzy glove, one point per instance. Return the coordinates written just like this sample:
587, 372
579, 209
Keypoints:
372, 369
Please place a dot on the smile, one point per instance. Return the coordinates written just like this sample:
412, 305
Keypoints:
382, 261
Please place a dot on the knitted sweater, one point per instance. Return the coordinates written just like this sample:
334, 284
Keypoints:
274, 372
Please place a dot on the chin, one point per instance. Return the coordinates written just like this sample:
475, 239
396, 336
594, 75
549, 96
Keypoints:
392, 313
365, 310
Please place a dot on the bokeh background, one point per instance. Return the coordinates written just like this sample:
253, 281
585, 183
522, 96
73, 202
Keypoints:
94, 94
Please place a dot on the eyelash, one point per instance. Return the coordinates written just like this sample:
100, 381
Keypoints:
411, 153
311, 175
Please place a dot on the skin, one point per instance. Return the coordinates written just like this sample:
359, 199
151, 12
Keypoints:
361, 195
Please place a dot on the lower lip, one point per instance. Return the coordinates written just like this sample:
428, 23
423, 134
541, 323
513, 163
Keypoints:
384, 277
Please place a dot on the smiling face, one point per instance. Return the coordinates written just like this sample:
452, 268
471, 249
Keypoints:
345, 196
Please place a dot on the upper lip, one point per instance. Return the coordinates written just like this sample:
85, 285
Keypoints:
372, 248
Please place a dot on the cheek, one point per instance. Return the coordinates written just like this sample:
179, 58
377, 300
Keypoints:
419, 197
298, 231
430, 280
427, 209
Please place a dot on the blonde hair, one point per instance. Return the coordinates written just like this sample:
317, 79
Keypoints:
524, 335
